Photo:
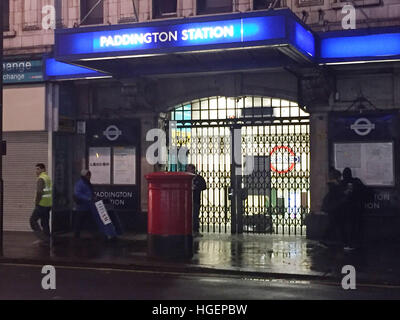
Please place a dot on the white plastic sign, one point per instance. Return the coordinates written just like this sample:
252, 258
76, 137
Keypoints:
101, 209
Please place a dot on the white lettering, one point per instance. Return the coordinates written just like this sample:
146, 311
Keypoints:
163, 36
139, 38
110, 41
372, 205
162, 310
219, 309
117, 202
185, 35
103, 41
382, 196
199, 34
147, 37
206, 32
126, 39
229, 31
192, 31
117, 40
218, 32
155, 37
173, 35
155, 34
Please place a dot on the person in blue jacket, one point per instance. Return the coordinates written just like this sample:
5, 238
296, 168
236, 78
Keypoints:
83, 196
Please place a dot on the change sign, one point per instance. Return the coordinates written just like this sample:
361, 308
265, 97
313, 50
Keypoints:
22, 71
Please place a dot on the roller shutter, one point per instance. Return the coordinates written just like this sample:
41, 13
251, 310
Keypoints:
24, 151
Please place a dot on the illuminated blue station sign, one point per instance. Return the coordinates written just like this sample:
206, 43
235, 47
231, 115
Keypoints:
360, 45
262, 29
230, 31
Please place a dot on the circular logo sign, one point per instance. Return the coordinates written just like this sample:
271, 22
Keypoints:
112, 133
362, 127
286, 159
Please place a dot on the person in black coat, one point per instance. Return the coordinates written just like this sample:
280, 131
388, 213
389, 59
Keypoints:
199, 184
357, 193
333, 204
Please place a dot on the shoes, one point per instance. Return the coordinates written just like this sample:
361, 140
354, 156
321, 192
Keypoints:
348, 248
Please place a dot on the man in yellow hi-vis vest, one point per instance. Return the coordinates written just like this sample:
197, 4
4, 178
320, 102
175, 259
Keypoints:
43, 203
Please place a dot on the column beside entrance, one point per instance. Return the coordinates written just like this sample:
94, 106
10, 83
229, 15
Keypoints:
319, 145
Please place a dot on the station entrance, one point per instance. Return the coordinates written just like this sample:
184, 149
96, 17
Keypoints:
254, 153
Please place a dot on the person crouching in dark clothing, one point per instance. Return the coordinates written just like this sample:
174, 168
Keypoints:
333, 204
83, 196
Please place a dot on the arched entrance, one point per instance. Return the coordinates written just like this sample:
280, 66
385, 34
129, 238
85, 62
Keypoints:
254, 153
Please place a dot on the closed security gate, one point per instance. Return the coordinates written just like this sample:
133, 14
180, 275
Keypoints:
254, 154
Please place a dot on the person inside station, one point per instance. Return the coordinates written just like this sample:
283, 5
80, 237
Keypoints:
199, 184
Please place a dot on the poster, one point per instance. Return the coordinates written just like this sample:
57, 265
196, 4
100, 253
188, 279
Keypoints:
371, 162
124, 165
100, 165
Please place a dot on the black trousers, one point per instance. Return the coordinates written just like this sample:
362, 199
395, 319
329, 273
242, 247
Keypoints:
80, 219
42, 214
196, 217
353, 226
335, 230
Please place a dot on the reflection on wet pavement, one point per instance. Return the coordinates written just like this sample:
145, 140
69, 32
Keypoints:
254, 252
257, 253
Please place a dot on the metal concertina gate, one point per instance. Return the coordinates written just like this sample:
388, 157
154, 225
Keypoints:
274, 197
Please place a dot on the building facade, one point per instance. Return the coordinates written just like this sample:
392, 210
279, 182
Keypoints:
27, 99
279, 103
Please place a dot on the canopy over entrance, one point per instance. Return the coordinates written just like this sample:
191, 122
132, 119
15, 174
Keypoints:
214, 43
218, 43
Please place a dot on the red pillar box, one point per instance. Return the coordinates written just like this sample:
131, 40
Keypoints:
170, 214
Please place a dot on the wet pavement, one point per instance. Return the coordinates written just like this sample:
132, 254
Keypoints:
248, 255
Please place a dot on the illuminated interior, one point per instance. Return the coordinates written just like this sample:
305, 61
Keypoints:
274, 133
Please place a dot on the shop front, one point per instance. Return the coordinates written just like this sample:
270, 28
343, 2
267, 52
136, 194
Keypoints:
26, 135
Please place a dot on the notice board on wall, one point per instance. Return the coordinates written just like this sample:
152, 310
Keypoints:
100, 164
372, 162
124, 168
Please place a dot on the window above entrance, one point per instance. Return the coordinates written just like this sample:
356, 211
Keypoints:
6, 15
164, 8
266, 4
92, 12
213, 6
224, 108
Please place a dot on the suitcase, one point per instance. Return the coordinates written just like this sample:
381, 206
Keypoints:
103, 219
